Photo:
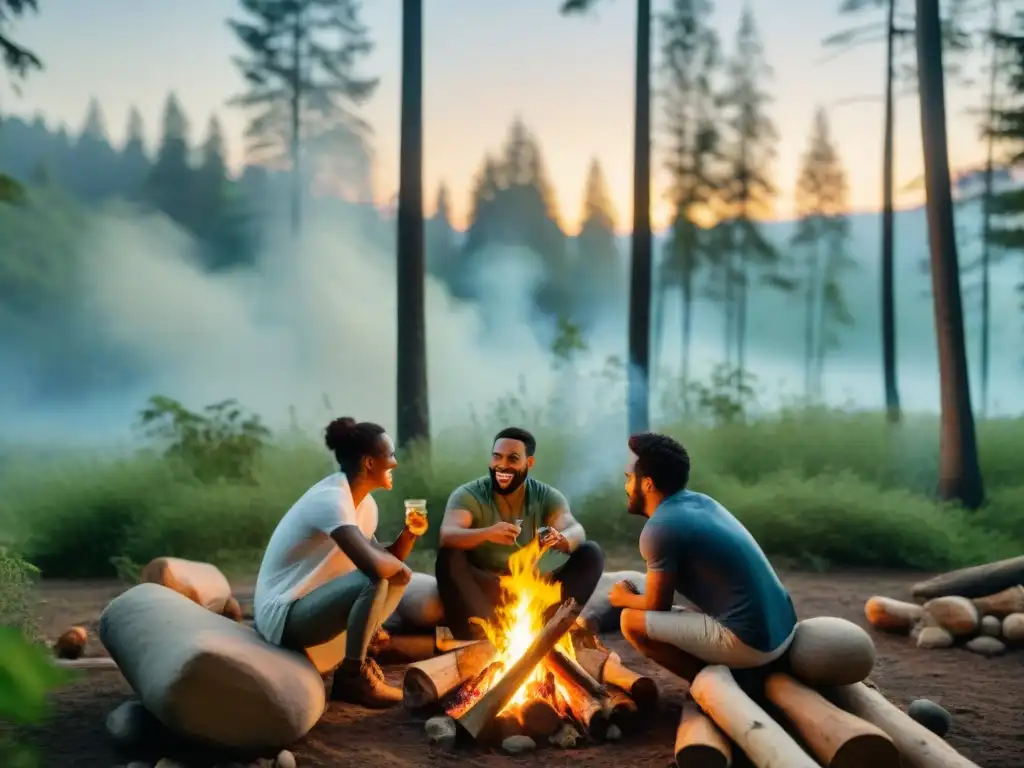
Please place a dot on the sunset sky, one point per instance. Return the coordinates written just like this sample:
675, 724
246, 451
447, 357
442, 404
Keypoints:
486, 61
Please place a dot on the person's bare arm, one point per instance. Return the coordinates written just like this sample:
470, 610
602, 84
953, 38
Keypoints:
569, 528
456, 532
402, 546
374, 561
659, 592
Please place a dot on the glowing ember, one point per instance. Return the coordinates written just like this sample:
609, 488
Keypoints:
526, 596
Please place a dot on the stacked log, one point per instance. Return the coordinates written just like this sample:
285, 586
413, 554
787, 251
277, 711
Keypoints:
980, 609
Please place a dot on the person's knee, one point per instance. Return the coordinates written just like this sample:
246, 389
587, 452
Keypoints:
449, 562
590, 557
633, 625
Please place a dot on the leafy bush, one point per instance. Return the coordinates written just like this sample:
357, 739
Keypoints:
817, 487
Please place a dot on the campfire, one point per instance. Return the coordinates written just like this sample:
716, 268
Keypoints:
525, 679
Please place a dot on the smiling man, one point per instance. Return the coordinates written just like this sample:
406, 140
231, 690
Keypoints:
490, 518
694, 546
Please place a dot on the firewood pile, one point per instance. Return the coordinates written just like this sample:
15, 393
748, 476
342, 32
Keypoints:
824, 711
979, 608
592, 697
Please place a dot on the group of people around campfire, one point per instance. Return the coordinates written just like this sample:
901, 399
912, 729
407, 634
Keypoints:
325, 574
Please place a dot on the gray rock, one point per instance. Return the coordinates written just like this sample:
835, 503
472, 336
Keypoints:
285, 759
931, 716
516, 745
137, 764
565, 737
166, 762
987, 646
991, 626
614, 733
441, 731
931, 638
128, 724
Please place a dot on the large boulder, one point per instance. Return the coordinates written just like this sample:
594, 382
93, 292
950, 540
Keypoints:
829, 651
206, 677
419, 609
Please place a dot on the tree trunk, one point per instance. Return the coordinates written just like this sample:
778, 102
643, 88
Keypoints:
295, 148
413, 414
959, 473
892, 395
986, 214
686, 296
812, 282
640, 276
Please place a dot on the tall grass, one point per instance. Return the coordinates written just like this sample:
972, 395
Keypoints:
819, 487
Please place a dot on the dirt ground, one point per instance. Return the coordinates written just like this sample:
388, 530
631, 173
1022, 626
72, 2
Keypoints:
982, 694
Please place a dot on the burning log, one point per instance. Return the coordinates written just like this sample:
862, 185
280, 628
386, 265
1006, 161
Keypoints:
565, 666
481, 715
507, 724
427, 682
919, 747
761, 738
977, 581
540, 718
622, 710
837, 738
587, 710
609, 670
699, 743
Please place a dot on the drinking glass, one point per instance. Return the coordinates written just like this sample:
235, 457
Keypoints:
416, 516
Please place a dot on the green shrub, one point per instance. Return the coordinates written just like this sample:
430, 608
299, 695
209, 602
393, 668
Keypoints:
816, 486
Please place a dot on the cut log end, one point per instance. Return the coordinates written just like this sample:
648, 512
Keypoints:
701, 756
540, 718
868, 750
699, 743
418, 690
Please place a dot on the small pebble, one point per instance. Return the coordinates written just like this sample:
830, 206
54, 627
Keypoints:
565, 737
126, 723
166, 762
991, 626
986, 646
137, 764
614, 733
441, 731
515, 745
931, 638
931, 716
285, 759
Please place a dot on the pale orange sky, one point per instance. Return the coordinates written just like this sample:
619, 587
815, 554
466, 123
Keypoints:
487, 61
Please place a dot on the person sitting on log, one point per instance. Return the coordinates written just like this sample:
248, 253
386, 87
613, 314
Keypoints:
488, 519
694, 546
324, 572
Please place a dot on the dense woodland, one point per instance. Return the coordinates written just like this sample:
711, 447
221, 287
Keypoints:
309, 154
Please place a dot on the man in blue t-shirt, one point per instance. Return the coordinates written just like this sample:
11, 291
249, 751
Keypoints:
694, 546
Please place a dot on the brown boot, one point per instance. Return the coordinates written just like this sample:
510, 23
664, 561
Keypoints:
364, 685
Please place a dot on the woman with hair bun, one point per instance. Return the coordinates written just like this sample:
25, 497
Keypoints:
325, 584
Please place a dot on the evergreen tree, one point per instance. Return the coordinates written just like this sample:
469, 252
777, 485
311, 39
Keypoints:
134, 161
440, 236
1007, 230
690, 58
748, 192
513, 204
597, 267
19, 61
169, 186
301, 69
212, 222
93, 158
822, 236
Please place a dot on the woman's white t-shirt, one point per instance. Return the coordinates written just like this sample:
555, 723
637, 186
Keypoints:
302, 556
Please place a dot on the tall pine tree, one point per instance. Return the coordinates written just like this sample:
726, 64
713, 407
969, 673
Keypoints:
749, 193
19, 61
134, 162
822, 237
169, 187
691, 57
597, 266
440, 235
301, 66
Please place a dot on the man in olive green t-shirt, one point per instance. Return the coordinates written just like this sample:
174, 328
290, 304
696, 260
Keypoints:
488, 519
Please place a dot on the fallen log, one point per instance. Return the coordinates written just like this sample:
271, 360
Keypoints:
445, 641
569, 667
976, 581
406, 649
919, 747
890, 615
837, 738
587, 710
761, 738
481, 715
92, 662
699, 743
428, 681
1010, 600
608, 669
